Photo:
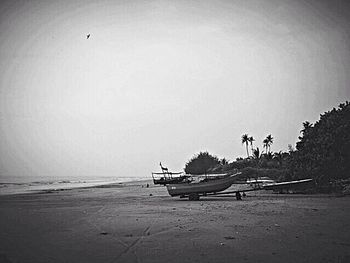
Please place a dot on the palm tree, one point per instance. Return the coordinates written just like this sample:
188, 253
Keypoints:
251, 139
270, 140
245, 140
267, 142
256, 153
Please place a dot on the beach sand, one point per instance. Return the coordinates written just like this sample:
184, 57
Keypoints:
130, 223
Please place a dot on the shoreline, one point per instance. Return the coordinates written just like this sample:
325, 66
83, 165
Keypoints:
35, 187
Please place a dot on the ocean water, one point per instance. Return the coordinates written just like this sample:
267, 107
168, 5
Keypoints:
23, 184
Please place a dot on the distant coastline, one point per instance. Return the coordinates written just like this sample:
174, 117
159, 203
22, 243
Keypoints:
44, 185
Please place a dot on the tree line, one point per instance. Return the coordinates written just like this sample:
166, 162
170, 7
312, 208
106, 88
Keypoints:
322, 152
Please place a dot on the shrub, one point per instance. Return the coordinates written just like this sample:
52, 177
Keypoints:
201, 163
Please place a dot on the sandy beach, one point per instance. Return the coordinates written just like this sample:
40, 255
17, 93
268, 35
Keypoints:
131, 223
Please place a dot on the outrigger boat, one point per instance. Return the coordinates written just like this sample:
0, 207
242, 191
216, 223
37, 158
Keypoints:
194, 186
166, 177
169, 178
216, 186
210, 184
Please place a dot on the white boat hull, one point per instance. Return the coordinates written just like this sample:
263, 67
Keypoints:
204, 187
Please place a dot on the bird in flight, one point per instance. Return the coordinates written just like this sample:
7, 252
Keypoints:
87, 36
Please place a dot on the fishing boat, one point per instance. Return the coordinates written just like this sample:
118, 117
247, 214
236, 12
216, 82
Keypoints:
165, 177
169, 178
210, 184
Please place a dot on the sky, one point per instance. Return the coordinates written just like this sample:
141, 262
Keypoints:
162, 80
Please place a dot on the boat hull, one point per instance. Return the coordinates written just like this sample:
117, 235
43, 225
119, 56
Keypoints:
210, 186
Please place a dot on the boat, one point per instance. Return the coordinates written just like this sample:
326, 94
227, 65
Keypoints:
210, 184
166, 177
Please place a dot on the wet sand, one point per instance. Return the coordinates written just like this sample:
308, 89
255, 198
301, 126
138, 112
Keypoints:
138, 224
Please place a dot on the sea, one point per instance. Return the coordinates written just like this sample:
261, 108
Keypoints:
21, 184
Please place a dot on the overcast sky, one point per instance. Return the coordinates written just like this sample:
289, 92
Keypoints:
161, 80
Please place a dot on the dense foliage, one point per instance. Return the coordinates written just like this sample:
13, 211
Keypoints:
323, 151
202, 163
